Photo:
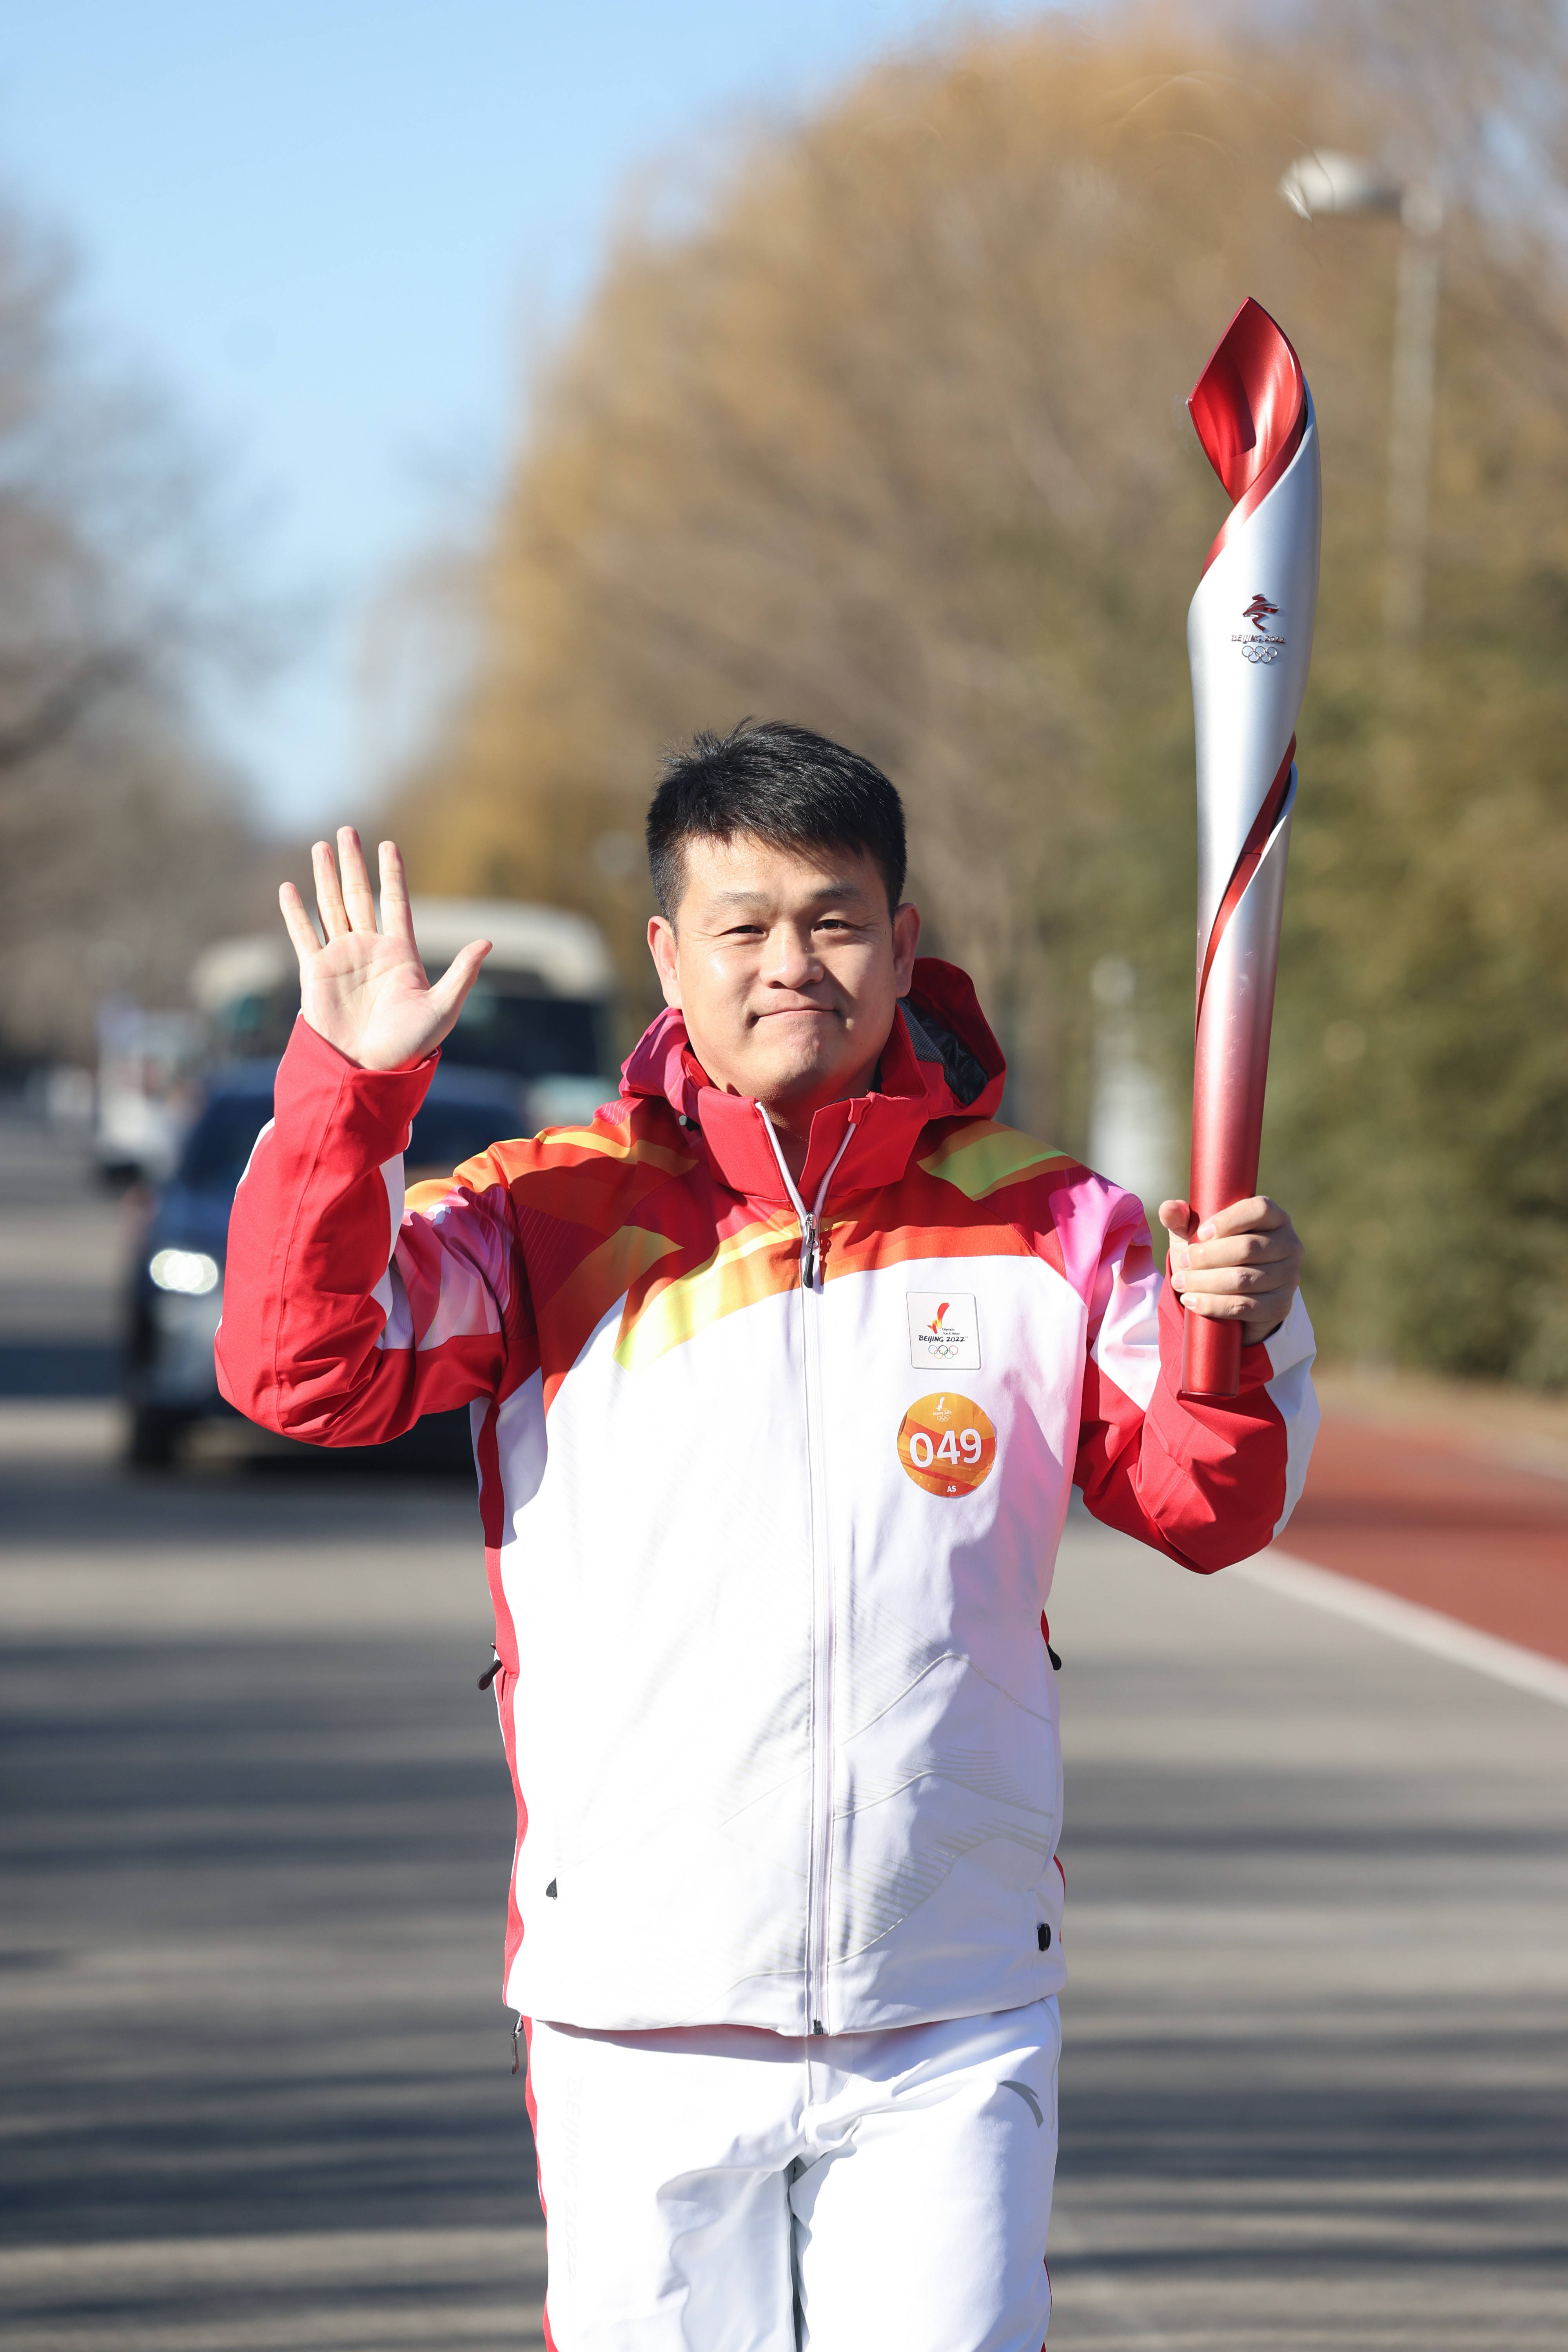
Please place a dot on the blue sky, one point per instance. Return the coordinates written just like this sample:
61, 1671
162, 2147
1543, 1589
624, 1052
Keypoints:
337, 234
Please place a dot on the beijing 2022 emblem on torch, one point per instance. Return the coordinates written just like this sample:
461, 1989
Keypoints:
1249, 641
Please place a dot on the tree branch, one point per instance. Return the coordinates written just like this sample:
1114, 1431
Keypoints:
55, 713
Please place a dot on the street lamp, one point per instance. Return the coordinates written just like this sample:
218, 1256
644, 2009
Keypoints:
1325, 182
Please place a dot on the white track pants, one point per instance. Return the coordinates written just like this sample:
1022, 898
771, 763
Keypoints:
722, 2189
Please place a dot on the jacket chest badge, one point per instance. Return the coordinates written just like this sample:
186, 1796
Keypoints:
944, 1330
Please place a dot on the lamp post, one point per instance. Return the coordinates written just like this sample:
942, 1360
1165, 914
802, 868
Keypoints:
1324, 182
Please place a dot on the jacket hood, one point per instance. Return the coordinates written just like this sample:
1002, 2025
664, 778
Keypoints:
940, 1061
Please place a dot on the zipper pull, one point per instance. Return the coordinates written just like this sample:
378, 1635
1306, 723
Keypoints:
490, 1672
809, 1253
516, 2050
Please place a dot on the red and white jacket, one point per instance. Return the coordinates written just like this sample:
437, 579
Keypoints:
772, 1478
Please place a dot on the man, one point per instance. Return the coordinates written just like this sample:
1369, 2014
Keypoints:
780, 1373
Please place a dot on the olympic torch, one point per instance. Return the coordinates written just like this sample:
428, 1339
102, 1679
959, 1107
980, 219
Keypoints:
1249, 641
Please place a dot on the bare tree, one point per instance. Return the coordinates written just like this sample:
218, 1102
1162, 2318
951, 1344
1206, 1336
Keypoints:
120, 847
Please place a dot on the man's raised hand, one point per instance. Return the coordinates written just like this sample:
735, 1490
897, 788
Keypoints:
365, 990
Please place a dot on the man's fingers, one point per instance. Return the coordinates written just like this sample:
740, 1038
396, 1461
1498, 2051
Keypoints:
1176, 1216
447, 996
300, 929
1246, 1249
396, 920
1237, 1281
358, 897
1258, 1215
1267, 1308
328, 897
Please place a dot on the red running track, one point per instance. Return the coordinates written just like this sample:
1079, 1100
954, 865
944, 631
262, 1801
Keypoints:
1455, 1527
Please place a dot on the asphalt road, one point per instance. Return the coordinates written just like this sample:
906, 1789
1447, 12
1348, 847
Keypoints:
256, 1827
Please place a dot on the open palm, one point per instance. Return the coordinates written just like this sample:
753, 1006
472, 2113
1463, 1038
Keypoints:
365, 990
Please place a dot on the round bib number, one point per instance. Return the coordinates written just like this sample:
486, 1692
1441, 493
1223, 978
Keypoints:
947, 1445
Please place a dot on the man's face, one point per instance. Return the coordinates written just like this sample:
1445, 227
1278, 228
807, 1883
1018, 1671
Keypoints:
787, 966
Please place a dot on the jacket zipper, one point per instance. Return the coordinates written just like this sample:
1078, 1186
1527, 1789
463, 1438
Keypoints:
821, 1800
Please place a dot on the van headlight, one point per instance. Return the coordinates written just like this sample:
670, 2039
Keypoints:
191, 1272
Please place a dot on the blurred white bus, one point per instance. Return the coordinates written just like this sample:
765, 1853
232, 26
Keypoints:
542, 1011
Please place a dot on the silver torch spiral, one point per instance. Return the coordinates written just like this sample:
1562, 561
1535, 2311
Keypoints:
1249, 642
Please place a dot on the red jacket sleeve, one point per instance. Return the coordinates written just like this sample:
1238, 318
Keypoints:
346, 1312
1206, 1484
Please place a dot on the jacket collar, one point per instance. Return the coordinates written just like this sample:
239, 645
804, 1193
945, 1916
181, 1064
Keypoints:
940, 1061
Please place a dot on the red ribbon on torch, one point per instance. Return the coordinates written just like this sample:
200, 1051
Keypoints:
1250, 410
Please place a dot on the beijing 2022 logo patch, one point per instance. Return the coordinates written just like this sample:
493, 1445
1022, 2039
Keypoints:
944, 1330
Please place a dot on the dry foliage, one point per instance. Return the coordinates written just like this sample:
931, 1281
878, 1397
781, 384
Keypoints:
892, 442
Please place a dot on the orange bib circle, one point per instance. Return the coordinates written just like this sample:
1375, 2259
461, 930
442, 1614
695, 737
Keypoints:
947, 1445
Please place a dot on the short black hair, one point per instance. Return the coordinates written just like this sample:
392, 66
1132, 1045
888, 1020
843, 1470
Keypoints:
785, 786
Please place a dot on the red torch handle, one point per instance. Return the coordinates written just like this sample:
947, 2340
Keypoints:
1228, 1134
1230, 1075
1211, 1356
